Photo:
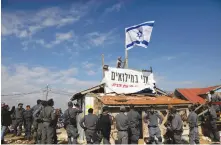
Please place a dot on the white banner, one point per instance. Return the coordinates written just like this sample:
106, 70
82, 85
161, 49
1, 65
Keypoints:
126, 81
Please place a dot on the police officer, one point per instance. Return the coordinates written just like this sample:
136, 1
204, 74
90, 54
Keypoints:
70, 121
36, 107
214, 99
28, 122
88, 123
47, 115
103, 127
119, 62
176, 126
153, 127
19, 119
122, 125
193, 125
212, 121
134, 128
54, 124
39, 120
168, 136
13, 120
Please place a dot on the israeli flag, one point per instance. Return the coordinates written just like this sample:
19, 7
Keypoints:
138, 35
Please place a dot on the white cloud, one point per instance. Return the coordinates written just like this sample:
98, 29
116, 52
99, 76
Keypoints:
88, 65
98, 39
171, 57
63, 36
91, 72
22, 78
58, 54
40, 41
59, 38
90, 68
24, 24
88, 22
115, 7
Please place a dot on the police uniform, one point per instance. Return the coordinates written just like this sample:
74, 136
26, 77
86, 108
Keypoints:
134, 128
28, 123
47, 115
168, 136
39, 121
177, 128
153, 127
18, 120
13, 120
36, 125
122, 125
213, 125
193, 125
214, 99
71, 128
88, 123
103, 127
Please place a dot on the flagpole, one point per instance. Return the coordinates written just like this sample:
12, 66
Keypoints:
126, 57
126, 53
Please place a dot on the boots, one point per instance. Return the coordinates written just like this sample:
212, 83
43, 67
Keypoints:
2, 142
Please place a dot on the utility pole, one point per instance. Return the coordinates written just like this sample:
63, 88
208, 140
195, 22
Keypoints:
47, 91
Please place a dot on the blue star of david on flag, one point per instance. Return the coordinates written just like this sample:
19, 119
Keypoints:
138, 35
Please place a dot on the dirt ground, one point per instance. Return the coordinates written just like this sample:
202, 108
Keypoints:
62, 139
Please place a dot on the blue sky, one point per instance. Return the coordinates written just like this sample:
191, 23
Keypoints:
60, 42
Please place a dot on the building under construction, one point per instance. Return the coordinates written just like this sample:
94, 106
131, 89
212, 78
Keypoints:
99, 96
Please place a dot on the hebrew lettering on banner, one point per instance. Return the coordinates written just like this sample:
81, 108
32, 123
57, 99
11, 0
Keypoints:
127, 81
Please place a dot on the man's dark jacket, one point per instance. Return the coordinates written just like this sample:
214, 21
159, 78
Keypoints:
6, 116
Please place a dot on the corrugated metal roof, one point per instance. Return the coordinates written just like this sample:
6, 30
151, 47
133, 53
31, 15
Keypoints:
208, 89
193, 94
144, 100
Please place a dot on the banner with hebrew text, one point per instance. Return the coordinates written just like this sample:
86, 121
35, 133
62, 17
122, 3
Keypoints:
127, 81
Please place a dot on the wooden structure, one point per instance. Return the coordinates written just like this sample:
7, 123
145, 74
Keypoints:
96, 98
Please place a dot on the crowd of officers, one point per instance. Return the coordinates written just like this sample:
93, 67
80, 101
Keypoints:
43, 118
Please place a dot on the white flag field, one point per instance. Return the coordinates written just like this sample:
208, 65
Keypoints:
138, 35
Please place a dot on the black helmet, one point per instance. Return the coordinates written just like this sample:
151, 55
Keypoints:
105, 108
70, 104
20, 104
38, 101
173, 110
50, 102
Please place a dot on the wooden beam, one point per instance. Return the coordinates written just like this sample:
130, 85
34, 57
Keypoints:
205, 111
198, 107
164, 119
187, 112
